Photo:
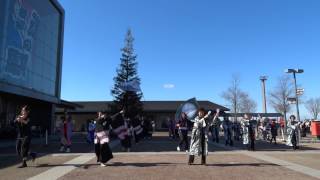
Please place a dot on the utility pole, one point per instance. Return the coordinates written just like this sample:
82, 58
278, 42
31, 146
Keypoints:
264, 99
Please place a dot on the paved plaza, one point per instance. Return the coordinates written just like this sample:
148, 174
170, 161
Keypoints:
157, 159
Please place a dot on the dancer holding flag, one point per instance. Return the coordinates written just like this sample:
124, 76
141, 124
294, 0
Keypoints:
199, 137
101, 139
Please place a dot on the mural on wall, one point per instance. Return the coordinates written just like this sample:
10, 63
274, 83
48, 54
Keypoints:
22, 27
29, 45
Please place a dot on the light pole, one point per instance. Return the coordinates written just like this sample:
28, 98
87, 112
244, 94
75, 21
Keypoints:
294, 72
264, 100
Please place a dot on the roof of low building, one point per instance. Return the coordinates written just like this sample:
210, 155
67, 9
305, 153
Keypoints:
148, 106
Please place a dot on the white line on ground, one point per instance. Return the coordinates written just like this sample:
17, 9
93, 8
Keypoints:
59, 171
289, 165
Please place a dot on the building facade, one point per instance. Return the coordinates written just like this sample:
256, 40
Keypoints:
31, 40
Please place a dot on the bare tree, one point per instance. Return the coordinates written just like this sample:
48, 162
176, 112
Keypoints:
233, 94
279, 96
247, 105
313, 106
238, 100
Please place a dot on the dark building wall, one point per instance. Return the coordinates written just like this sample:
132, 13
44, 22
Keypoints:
41, 114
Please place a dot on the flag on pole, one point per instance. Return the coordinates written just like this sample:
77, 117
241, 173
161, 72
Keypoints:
133, 85
190, 108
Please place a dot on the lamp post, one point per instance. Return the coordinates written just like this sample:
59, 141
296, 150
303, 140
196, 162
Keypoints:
263, 85
294, 72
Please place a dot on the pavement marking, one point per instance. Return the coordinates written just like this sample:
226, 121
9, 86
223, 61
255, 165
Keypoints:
59, 171
289, 165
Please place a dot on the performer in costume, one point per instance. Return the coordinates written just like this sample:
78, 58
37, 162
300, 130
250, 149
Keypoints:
121, 129
22, 122
101, 140
183, 132
248, 132
293, 129
137, 128
199, 138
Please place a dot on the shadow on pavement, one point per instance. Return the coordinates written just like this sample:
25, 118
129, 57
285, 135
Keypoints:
243, 164
114, 164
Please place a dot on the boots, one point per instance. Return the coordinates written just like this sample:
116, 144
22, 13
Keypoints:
24, 164
191, 159
203, 160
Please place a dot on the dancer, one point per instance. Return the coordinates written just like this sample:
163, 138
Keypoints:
183, 132
199, 138
293, 132
24, 135
248, 132
101, 139
137, 129
121, 129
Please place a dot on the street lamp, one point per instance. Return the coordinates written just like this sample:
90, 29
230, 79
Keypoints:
294, 72
264, 101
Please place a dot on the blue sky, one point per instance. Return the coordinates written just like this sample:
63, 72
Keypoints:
192, 45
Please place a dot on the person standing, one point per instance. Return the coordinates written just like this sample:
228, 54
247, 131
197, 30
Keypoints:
199, 137
171, 128
227, 130
91, 129
215, 129
66, 134
22, 122
183, 132
274, 131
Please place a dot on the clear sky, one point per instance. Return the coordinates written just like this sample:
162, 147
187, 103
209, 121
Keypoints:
190, 48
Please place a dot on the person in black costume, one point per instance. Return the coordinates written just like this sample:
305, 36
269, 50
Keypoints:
22, 122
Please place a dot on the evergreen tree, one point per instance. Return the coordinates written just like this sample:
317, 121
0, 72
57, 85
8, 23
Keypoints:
127, 71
